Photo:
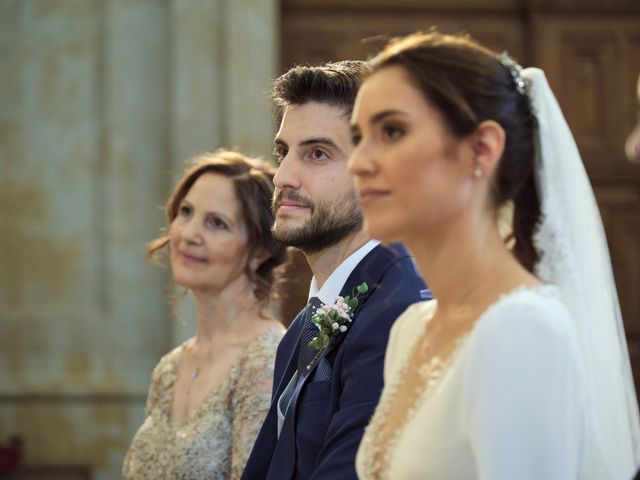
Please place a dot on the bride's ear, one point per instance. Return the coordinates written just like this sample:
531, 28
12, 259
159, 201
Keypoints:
487, 143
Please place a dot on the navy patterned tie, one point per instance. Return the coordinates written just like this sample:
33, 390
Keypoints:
310, 330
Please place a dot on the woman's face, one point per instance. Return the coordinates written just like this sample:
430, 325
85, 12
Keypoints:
208, 238
411, 173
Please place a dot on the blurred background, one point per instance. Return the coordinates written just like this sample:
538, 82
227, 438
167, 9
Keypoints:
101, 101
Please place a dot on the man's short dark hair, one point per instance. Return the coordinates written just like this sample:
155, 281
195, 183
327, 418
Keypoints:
334, 83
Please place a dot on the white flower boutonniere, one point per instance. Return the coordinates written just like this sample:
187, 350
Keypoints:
332, 320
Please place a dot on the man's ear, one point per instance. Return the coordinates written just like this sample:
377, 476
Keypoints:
487, 143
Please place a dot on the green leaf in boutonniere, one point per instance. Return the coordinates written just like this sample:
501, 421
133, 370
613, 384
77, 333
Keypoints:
333, 320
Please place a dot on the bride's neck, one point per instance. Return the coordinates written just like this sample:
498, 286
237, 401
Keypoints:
467, 267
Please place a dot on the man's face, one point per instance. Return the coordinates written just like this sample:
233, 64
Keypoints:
314, 203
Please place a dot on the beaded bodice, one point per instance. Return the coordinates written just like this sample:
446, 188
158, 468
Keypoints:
215, 440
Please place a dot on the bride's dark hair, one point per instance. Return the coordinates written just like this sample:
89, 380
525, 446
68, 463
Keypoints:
468, 84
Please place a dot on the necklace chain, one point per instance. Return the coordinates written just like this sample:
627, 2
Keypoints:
481, 280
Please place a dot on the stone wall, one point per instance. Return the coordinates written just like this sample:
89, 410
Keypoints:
100, 103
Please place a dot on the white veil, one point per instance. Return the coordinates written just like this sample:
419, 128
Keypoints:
575, 257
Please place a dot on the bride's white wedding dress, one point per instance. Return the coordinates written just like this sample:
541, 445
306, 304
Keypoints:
541, 387
508, 404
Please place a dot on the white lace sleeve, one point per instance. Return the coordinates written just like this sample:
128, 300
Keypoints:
523, 401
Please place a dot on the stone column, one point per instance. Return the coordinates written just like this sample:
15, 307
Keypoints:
224, 58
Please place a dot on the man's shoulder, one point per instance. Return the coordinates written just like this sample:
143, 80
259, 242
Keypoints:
387, 252
394, 257
397, 286
398, 274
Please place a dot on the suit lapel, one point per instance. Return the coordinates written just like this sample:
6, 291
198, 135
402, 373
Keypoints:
283, 459
284, 456
292, 362
369, 270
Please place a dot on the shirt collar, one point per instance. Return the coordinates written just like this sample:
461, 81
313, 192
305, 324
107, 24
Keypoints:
331, 288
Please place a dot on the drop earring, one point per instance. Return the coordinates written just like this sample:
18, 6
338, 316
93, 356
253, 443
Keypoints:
477, 172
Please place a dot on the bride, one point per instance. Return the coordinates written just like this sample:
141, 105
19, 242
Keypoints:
520, 368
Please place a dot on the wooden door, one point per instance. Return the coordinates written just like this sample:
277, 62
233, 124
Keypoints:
590, 51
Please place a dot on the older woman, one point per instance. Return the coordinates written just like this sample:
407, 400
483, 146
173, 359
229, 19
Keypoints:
519, 369
208, 397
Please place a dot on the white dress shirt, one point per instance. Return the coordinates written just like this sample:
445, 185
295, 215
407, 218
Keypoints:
329, 292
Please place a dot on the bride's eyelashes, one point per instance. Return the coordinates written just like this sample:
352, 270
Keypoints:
391, 132
387, 132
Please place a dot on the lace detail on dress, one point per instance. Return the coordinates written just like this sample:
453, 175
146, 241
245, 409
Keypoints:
217, 437
416, 385
399, 402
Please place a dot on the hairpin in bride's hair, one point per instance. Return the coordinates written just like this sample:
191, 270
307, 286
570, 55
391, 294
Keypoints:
515, 69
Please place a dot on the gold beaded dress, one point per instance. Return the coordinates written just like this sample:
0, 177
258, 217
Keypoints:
216, 439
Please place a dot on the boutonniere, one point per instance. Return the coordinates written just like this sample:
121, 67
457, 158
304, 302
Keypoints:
333, 320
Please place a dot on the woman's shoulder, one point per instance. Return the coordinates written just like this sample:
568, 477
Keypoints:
404, 332
256, 363
419, 311
528, 309
263, 345
269, 338
168, 364
528, 335
413, 319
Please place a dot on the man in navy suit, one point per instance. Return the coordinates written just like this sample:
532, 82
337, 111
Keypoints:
324, 397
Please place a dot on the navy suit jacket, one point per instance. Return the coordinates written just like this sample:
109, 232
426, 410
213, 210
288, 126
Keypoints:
320, 437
